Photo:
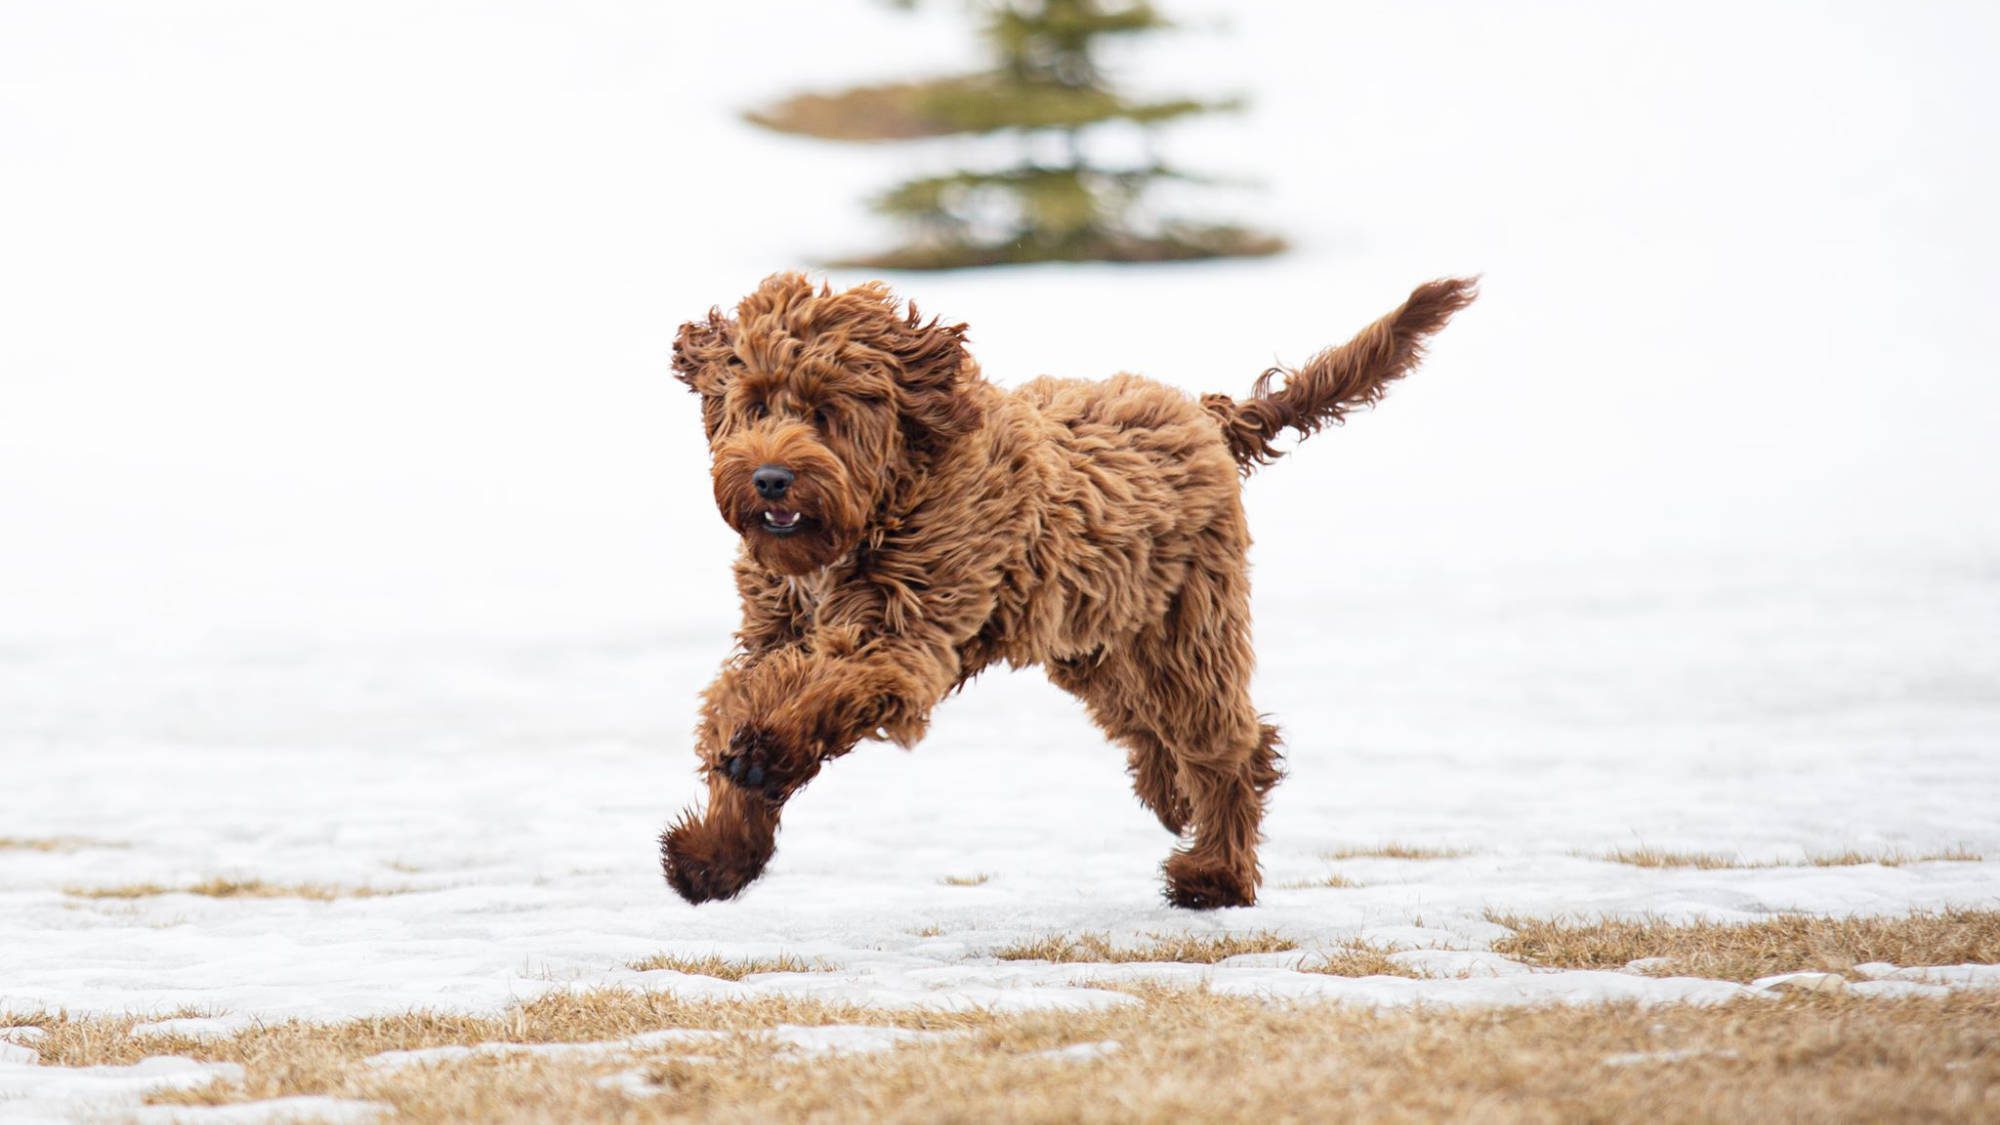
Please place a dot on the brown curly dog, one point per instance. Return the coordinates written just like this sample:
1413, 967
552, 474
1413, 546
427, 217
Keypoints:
906, 524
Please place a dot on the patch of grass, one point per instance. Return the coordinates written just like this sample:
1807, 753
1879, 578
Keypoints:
1645, 856
51, 843
726, 969
1660, 857
1183, 1054
1398, 850
1195, 949
932, 930
978, 880
1331, 879
1747, 951
235, 888
559, 1017
1894, 859
80, 1041
1360, 959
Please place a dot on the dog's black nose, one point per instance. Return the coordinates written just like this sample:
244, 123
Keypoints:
771, 481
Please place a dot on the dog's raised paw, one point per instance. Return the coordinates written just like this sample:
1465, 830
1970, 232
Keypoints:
705, 859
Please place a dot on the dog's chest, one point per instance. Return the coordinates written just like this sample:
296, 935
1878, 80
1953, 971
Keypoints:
809, 592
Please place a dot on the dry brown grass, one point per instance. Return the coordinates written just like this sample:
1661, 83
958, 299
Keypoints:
932, 930
559, 1017
235, 888
1747, 951
1894, 859
713, 966
1659, 857
1181, 1055
1360, 959
1644, 856
1397, 850
978, 880
51, 843
1194, 949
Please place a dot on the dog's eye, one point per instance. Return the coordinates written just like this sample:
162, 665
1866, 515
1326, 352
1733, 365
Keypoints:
821, 415
759, 412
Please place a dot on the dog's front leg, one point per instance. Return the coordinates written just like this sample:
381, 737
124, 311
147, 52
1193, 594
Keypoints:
715, 853
799, 708
767, 727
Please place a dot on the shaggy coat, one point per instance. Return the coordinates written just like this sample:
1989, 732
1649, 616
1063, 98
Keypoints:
906, 524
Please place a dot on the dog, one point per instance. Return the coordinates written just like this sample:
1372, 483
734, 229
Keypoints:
906, 524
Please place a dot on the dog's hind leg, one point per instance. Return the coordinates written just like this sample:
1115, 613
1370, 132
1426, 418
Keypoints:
1195, 669
1226, 782
1107, 686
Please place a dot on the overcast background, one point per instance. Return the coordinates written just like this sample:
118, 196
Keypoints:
328, 318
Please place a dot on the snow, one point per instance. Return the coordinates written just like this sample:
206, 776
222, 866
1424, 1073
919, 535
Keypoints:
1920, 978
1801, 982
846, 1038
356, 535
29, 1092
315, 1109
1897, 989
196, 1027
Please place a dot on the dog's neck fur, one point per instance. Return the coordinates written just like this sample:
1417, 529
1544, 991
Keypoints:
810, 589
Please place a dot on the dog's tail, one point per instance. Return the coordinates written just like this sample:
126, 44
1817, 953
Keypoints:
1339, 379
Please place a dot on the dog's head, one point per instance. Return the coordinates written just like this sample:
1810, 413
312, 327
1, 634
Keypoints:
817, 404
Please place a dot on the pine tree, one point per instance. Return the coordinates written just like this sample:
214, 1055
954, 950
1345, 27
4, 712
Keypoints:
1045, 79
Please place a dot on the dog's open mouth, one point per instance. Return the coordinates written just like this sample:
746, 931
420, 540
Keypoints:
782, 521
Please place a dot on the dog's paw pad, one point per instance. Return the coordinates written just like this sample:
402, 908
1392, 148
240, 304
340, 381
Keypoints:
753, 762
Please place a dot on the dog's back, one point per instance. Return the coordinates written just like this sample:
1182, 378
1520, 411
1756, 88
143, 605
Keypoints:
1128, 474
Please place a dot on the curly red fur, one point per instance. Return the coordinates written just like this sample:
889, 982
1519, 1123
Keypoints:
934, 524
1339, 379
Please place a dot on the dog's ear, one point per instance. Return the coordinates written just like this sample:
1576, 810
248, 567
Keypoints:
700, 350
701, 356
935, 371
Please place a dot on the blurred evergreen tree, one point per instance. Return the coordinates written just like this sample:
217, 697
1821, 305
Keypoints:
1045, 79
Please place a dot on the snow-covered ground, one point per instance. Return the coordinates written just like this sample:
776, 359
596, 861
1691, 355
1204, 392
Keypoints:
355, 534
